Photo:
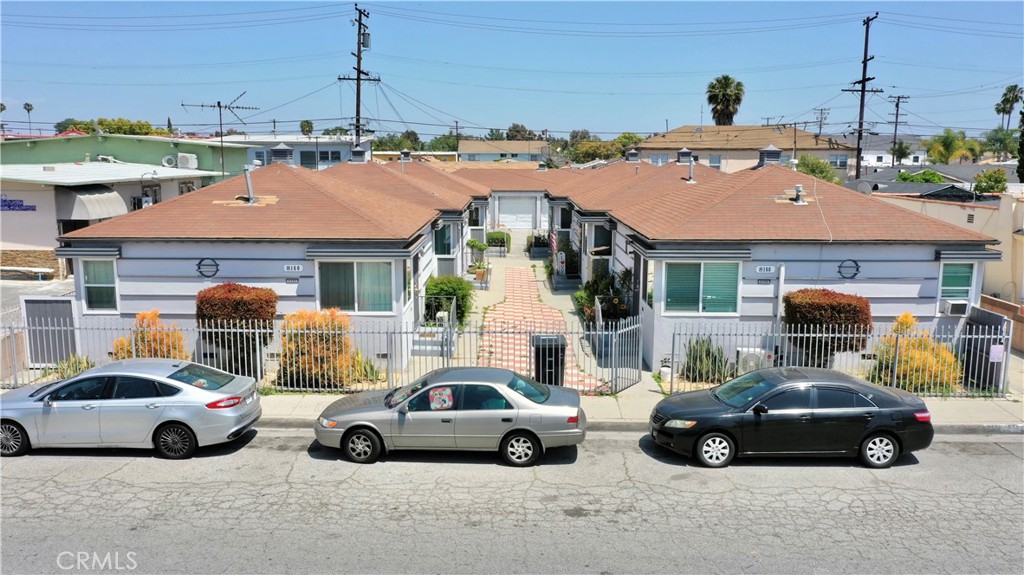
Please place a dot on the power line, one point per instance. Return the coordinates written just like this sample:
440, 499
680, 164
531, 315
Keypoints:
231, 107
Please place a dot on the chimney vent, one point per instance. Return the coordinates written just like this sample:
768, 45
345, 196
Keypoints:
799, 199
769, 155
683, 156
248, 185
632, 156
406, 155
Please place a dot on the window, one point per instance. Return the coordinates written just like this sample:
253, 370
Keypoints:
565, 218
474, 218
535, 392
502, 155
916, 159
325, 156
599, 267
307, 159
82, 390
260, 156
100, 285
202, 376
441, 398
956, 280
515, 155
534, 157
660, 159
153, 191
471, 157
797, 399
784, 160
167, 390
831, 398
715, 161
335, 155
702, 287
356, 286
443, 240
878, 159
483, 397
134, 388
838, 160
408, 280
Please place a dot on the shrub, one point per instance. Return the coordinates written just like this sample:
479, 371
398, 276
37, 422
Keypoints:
614, 300
70, 367
443, 288
826, 322
316, 350
499, 239
705, 362
151, 338
910, 359
238, 321
478, 248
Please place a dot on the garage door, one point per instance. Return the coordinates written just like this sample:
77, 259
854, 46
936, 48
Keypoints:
517, 213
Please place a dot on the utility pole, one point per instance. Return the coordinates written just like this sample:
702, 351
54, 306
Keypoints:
896, 124
864, 79
767, 120
822, 114
362, 43
231, 107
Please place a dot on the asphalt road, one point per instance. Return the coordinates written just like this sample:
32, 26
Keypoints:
276, 502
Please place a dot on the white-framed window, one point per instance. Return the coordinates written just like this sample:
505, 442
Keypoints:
362, 287
839, 160
878, 159
99, 281
916, 159
715, 161
260, 157
443, 240
957, 281
702, 287
659, 159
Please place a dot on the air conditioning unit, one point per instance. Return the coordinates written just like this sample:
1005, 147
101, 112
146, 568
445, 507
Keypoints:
751, 359
188, 161
146, 201
955, 307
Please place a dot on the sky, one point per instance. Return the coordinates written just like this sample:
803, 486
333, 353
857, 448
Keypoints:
608, 67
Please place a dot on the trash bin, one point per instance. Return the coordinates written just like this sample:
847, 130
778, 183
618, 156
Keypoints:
549, 358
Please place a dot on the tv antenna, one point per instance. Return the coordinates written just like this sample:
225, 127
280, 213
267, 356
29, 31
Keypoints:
231, 107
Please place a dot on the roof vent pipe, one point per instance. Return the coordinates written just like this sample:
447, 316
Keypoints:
690, 180
799, 199
248, 185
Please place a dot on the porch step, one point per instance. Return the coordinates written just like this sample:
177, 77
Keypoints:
561, 283
431, 344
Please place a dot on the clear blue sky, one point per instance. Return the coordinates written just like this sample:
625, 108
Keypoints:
604, 66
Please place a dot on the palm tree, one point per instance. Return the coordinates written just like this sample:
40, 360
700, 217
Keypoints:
28, 110
1011, 96
952, 146
900, 152
725, 94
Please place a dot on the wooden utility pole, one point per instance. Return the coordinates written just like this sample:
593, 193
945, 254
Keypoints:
896, 124
864, 79
362, 43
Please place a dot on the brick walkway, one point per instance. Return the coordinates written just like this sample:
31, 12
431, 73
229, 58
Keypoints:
508, 326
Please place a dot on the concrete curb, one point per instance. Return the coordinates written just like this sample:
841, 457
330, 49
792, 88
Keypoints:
640, 426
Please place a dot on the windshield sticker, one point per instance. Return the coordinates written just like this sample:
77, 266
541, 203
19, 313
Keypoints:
441, 398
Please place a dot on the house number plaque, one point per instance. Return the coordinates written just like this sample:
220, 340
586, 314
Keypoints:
293, 268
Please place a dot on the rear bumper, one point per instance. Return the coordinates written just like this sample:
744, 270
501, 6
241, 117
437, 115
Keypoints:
564, 438
241, 429
917, 438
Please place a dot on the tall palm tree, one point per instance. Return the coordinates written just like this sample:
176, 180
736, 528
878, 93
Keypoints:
1011, 96
725, 94
951, 146
28, 110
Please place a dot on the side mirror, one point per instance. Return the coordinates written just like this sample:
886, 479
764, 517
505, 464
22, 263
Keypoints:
760, 409
48, 401
404, 408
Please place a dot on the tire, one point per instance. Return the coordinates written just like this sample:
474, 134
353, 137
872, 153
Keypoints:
13, 439
879, 451
520, 449
361, 446
715, 450
174, 441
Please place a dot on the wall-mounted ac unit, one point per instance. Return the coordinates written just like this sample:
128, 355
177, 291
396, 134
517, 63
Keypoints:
188, 161
752, 358
955, 307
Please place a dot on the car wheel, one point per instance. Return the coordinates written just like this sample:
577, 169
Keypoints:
175, 441
715, 450
520, 449
13, 440
879, 451
361, 446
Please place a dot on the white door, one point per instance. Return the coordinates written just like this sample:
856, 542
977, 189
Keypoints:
517, 213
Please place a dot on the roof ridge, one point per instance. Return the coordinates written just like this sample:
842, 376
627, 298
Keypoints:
340, 198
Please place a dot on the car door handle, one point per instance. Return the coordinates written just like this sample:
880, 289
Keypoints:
869, 416
506, 420
446, 421
805, 418
88, 406
152, 405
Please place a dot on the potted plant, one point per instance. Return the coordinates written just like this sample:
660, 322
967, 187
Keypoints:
478, 248
480, 271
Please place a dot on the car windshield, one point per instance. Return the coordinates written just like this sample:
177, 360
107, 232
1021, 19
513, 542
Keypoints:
402, 393
45, 387
202, 377
742, 390
535, 392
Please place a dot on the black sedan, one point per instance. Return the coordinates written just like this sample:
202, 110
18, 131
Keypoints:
793, 411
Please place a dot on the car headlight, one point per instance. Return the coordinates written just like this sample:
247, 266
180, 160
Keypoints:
681, 423
330, 423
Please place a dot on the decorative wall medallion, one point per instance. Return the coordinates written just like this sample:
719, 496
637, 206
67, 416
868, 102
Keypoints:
848, 269
207, 267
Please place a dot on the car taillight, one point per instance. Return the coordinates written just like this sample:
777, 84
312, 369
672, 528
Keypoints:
923, 416
574, 419
224, 403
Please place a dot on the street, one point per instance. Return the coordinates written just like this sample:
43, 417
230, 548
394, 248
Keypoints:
277, 502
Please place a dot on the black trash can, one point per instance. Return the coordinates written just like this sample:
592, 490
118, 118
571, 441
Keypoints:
549, 358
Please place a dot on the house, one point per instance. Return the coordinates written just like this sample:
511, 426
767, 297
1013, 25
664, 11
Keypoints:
504, 150
43, 201
960, 174
876, 150
313, 152
517, 198
394, 156
155, 151
734, 148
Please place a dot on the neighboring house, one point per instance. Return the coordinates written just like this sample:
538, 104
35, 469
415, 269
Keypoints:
735, 148
876, 150
313, 152
158, 151
43, 201
518, 197
388, 156
504, 150
962, 174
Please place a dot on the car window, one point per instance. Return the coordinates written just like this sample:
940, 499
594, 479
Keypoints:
167, 390
81, 390
440, 398
535, 392
483, 397
831, 398
742, 390
799, 398
134, 388
402, 393
202, 377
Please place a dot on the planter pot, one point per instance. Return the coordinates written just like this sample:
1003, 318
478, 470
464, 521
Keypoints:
481, 275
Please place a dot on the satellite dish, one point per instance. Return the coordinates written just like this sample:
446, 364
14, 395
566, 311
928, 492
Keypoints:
169, 161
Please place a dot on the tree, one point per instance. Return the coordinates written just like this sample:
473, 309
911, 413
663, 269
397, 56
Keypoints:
1002, 142
725, 94
990, 181
72, 124
626, 141
900, 152
577, 136
28, 110
446, 143
170, 127
818, 168
495, 134
952, 146
3, 108
520, 132
589, 151
413, 139
396, 142
335, 131
306, 127
924, 177
1011, 96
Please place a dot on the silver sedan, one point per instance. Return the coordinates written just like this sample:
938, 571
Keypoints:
171, 405
460, 408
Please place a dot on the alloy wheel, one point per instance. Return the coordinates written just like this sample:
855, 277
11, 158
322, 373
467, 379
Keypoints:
520, 449
10, 439
175, 441
880, 450
715, 450
359, 446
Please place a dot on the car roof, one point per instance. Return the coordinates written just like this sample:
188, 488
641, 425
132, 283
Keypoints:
494, 375
783, 375
151, 367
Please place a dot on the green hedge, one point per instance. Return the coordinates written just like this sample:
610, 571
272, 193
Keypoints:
499, 239
447, 287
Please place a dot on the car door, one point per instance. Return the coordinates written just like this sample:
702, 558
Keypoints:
841, 419
786, 425
428, 422
131, 413
71, 414
485, 414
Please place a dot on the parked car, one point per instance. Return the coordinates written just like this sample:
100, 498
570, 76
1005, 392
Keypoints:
793, 411
170, 405
459, 408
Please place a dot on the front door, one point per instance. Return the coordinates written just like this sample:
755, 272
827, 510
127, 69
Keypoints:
841, 419
132, 411
429, 422
484, 416
73, 414
785, 428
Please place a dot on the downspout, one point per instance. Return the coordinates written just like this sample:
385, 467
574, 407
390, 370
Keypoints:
782, 284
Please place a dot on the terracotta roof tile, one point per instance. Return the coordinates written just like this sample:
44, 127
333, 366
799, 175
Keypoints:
739, 138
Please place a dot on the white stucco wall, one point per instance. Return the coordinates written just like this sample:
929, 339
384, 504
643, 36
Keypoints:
28, 229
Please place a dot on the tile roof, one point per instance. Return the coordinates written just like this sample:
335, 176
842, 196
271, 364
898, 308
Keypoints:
82, 173
625, 183
504, 146
740, 138
518, 180
754, 206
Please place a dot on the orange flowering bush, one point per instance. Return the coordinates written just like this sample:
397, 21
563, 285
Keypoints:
152, 338
316, 350
910, 359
